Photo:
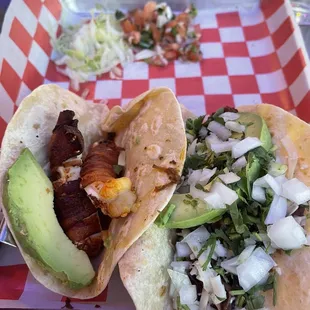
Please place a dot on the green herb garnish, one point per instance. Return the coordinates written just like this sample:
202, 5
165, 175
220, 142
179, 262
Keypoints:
119, 15
165, 215
118, 169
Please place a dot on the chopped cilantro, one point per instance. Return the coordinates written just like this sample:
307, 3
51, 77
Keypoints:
193, 126
165, 215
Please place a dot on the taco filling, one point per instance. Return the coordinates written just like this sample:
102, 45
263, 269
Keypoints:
236, 206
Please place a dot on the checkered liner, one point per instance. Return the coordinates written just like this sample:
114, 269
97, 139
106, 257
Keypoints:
247, 58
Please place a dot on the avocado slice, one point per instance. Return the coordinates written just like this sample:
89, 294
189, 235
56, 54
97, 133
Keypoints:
256, 127
28, 199
191, 212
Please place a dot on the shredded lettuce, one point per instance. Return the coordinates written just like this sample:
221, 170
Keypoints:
91, 48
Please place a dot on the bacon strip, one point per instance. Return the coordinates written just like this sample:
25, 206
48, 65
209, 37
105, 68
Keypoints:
75, 212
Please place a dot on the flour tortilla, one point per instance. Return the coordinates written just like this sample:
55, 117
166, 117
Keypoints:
32, 127
294, 282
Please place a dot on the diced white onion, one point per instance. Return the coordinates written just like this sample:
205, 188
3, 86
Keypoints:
287, 234
183, 250
277, 210
197, 193
227, 195
301, 220
239, 164
201, 176
234, 126
212, 138
268, 181
230, 265
204, 300
203, 132
296, 191
196, 239
245, 254
249, 241
229, 178
181, 266
214, 200
221, 131
291, 208
189, 137
218, 289
229, 116
205, 276
192, 148
144, 54
244, 146
277, 169
121, 158
220, 250
254, 269
292, 155
222, 146
281, 179
178, 279
258, 194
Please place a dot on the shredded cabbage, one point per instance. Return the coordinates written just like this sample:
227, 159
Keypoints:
91, 49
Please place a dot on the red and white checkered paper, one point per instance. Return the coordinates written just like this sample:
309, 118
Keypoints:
248, 58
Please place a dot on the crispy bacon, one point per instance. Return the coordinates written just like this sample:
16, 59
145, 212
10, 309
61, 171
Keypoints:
75, 212
112, 195
98, 164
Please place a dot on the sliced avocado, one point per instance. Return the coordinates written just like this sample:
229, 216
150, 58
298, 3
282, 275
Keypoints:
191, 212
256, 127
28, 198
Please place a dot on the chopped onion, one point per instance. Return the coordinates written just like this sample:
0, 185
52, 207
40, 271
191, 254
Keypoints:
192, 148
201, 176
249, 241
212, 138
244, 146
281, 179
239, 164
254, 269
301, 220
204, 256
214, 200
258, 194
230, 265
221, 131
268, 181
245, 254
181, 266
227, 195
234, 126
204, 300
220, 250
205, 276
218, 290
292, 155
189, 137
291, 208
277, 210
296, 191
144, 54
178, 279
121, 158
229, 178
183, 250
229, 116
197, 193
196, 239
222, 146
276, 169
203, 132
287, 234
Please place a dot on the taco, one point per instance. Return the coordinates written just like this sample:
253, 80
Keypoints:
80, 183
234, 234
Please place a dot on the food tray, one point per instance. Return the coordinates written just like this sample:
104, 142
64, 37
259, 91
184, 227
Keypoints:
249, 57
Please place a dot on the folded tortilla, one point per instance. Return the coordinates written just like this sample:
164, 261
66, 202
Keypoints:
151, 121
149, 256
